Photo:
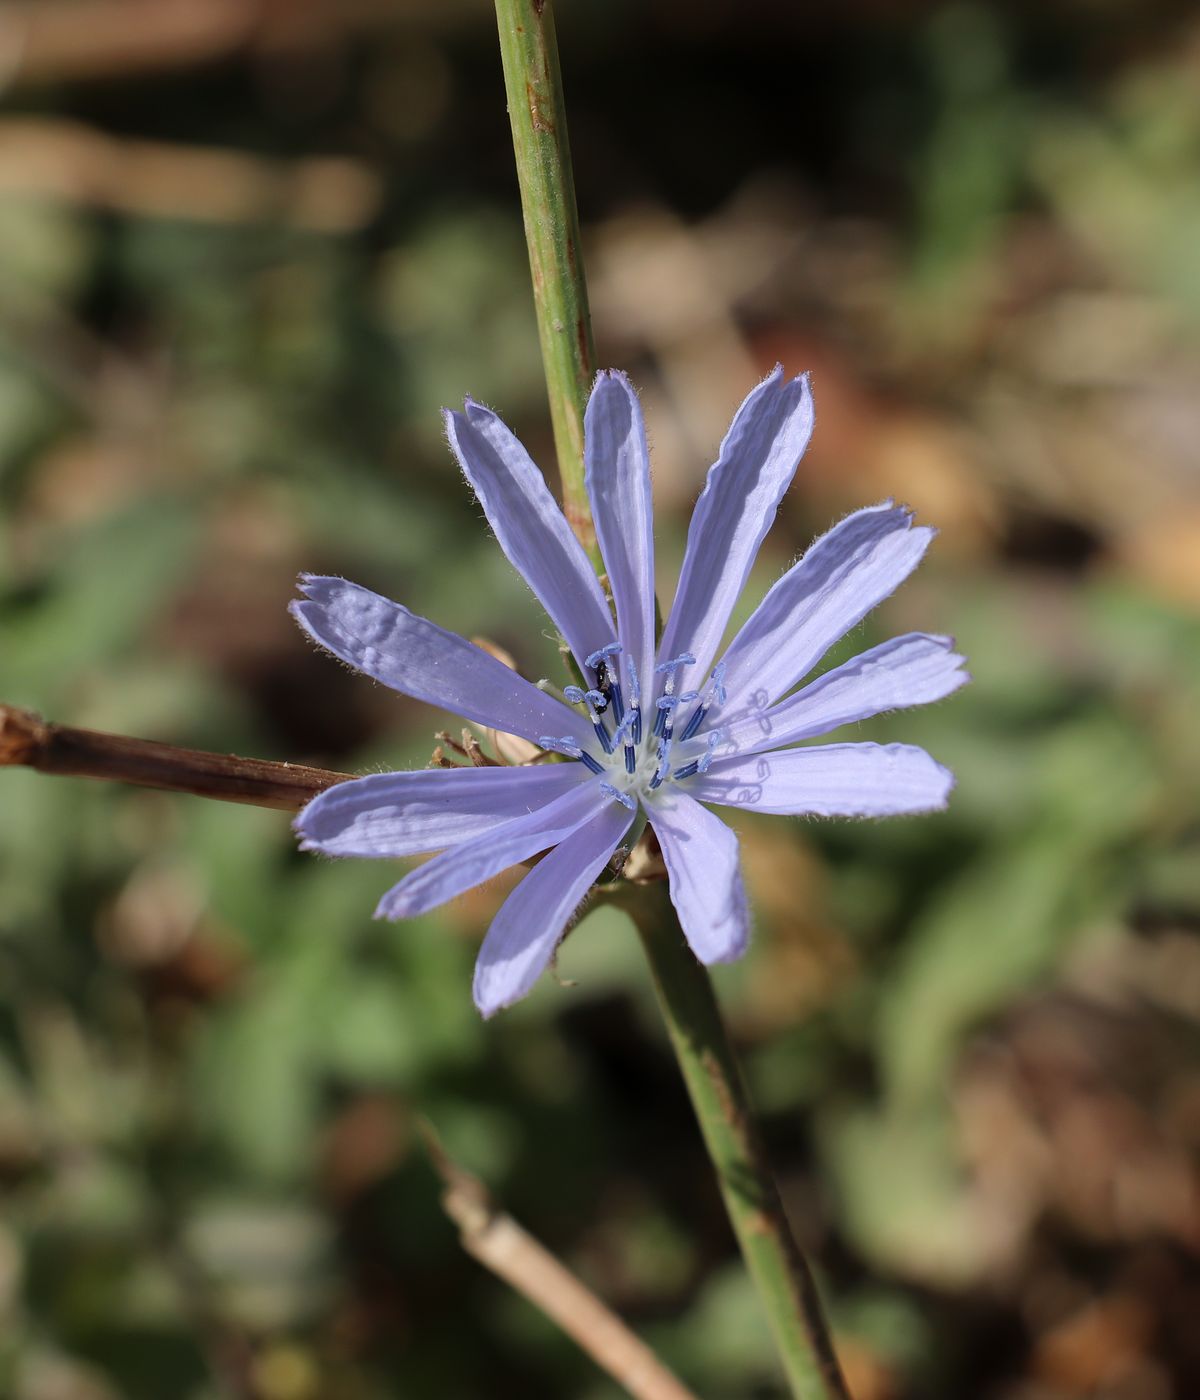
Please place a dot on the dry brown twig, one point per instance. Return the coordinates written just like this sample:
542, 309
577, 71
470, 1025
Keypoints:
500, 1244
28, 741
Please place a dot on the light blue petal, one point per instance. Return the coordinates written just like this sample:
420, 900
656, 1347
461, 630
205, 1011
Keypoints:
464, 866
408, 814
916, 669
706, 888
617, 474
525, 933
845, 574
418, 658
830, 780
531, 528
755, 466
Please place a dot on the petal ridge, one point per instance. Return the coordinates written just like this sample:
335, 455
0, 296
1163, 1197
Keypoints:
754, 467
530, 526
472, 862
916, 669
617, 476
386, 815
706, 887
526, 931
840, 578
829, 780
418, 658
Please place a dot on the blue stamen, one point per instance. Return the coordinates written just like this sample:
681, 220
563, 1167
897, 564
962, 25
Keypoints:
716, 694
694, 722
621, 730
664, 707
664, 763
565, 745
598, 657
622, 797
665, 721
601, 663
685, 658
569, 748
715, 738
608, 679
701, 764
662, 722
595, 702
635, 705
686, 697
595, 698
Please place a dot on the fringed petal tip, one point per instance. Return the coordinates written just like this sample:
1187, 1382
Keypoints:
955, 659
489, 998
471, 415
802, 381
613, 376
487, 1009
309, 584
320, 589
951, 783
385, 910
313, 846
301, 610
960, 676
942, 783
906, 513
733, 951
298, 823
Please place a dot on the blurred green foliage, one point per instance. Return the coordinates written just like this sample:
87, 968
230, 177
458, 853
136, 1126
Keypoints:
212, 1061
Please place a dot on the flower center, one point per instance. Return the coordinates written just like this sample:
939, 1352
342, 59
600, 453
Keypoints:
636, 759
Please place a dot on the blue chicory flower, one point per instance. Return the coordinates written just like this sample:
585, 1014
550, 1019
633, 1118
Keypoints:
658, 730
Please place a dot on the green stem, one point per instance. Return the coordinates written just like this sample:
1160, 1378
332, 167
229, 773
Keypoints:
785, 1285
784, 1281
533, 82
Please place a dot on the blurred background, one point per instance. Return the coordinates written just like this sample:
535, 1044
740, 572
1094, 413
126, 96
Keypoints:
247, 251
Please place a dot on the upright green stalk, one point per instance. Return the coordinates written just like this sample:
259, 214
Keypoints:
784, 1282
532, 80
718, 1093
